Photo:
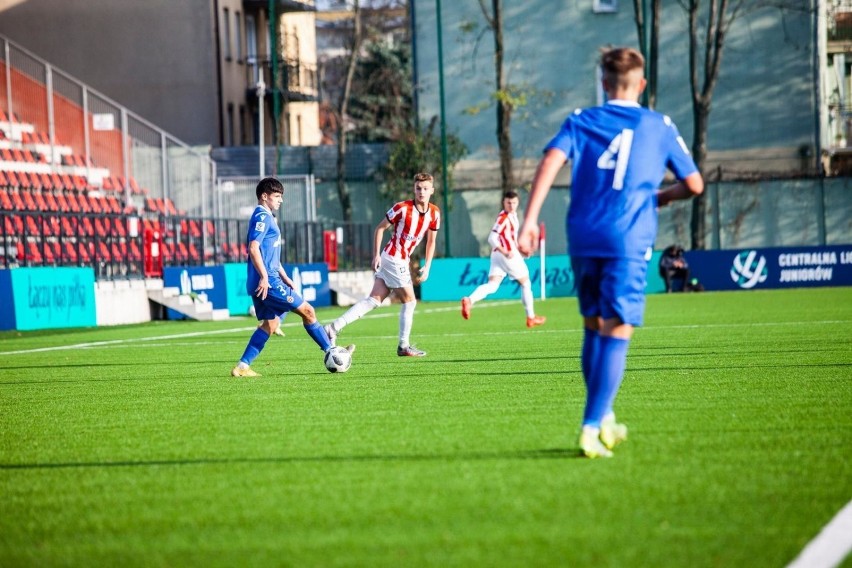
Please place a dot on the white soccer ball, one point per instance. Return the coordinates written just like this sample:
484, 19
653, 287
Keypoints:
337, 360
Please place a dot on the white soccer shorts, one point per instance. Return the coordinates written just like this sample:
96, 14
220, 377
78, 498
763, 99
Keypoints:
515, 267
394, 272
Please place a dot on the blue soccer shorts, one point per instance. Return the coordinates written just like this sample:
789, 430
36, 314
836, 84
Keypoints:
280, 299
611, 287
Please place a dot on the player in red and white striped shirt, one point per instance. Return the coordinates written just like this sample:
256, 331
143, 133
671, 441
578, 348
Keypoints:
410, 220
506, 260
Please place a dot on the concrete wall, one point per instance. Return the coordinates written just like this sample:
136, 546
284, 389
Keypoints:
162, 68
122, 302
763, 108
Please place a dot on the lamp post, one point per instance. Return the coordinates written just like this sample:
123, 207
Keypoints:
261, 93
444, 181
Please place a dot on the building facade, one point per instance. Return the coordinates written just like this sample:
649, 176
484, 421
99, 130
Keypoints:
765, 109
190, 67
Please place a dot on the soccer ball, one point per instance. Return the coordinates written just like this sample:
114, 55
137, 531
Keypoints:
337, 360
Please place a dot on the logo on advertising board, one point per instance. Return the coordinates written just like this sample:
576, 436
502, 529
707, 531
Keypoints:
749, 269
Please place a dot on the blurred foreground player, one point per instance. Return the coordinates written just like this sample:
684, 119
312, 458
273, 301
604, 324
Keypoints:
619, 153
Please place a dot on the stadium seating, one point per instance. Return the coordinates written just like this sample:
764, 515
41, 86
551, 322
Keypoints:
57, 207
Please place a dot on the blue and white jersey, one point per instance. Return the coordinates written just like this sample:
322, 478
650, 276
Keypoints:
619, 154
263, 228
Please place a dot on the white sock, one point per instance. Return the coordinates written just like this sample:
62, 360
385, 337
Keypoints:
527, 299
354, 313
406, 319
484, 290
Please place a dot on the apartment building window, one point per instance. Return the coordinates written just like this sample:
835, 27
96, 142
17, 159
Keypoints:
229, 126
243, 133
226, 35
251, 46
604, 6
238, 38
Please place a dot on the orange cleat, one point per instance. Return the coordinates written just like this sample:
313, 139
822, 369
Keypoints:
536, 321
466, 308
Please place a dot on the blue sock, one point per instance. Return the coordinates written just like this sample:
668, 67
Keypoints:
255, 346
605, 379
318, 334
590, 349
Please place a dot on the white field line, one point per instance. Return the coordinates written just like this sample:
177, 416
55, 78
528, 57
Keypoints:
831, 545
392, 314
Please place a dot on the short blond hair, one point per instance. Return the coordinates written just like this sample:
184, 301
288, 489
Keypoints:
423, 177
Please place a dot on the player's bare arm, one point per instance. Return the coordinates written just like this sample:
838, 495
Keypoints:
377, 243
545, 175
690, 186
430, 253
257, 260
286, 278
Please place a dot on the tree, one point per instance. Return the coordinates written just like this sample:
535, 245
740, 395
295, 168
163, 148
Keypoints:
649, 45
341, 111
707, 36
418, 150
382, 93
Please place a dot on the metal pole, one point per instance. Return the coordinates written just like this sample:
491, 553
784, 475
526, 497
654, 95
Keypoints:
444, 181
261, 92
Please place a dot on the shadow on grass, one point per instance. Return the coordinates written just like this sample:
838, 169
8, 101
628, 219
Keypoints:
541, 454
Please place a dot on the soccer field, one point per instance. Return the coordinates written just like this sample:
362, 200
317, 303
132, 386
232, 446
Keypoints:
133, 446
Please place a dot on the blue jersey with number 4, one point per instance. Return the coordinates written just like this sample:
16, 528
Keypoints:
619, 153
263, 228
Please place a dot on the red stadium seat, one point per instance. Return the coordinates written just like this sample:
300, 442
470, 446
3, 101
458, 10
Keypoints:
51, 202
103, 252
29, 202
41, 204
117, 256
69, 226
3, 181
70, 253
85, 252
33, 255
46, 182
135, 252
100, 229
32, 226
88, 229
5, 201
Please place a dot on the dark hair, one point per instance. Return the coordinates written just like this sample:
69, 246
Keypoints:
511, 195
618, 62
268, 185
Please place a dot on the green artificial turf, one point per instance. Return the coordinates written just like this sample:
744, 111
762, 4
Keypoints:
136, 447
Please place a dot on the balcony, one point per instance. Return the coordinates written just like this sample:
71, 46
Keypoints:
283, 5
298, 78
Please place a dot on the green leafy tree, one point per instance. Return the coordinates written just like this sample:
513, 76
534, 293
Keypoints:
382, 99
419, 150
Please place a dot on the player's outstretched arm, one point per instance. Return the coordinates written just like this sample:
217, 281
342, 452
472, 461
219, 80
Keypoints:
377, 243
431, 240
690, 186
545, 174
257, 260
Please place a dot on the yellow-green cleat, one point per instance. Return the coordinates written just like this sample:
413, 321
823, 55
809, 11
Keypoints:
590, 444
612, 433
243, 372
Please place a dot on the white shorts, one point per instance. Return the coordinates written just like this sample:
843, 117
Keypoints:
394, 272
515, 267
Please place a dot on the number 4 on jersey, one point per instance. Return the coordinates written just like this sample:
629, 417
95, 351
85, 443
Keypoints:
616, 157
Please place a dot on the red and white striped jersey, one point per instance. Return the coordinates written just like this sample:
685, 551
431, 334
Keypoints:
506, 228
409, 226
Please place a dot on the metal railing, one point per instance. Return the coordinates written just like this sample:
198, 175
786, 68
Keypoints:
51, 112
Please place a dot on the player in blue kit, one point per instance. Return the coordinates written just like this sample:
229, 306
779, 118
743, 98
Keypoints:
271, 290
619, 153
